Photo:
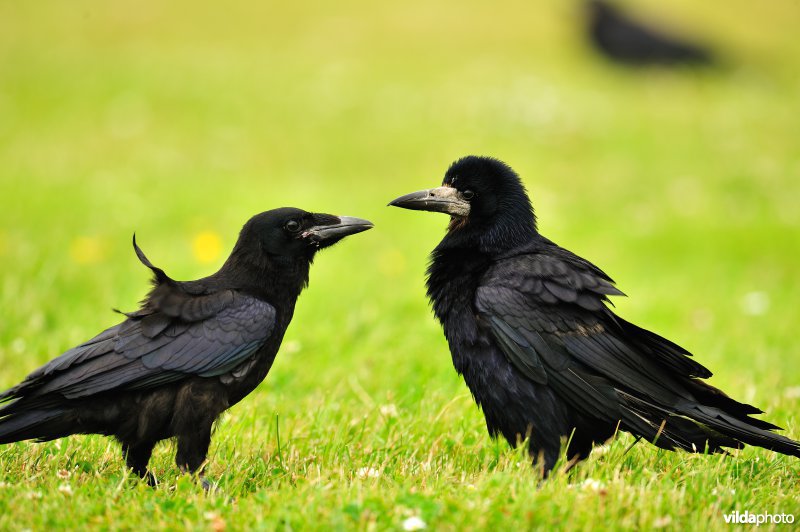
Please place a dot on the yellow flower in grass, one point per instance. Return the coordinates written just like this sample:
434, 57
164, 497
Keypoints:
87, 250
207, 246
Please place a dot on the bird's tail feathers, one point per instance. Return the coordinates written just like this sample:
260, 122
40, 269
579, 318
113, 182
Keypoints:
701, 428
710, 396
669, 431
746, 430
40, 425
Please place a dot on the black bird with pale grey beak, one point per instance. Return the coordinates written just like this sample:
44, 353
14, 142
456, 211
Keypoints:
193, 349
542, 354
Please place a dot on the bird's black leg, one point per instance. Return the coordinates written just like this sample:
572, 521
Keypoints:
137, 455
192, 451
584, 438
544, 456
579, 448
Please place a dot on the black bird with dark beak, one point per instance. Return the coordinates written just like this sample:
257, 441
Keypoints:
193, 349
541, 352
628, 41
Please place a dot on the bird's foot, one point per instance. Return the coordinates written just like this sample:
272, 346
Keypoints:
207, 485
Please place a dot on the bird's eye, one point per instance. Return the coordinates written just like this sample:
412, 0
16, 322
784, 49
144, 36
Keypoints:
293, 226
468, 194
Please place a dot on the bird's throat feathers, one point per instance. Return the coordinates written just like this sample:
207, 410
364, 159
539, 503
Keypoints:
452, 277
266, 276
505, 230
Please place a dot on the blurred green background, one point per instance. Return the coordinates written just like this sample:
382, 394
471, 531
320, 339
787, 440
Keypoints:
180, 120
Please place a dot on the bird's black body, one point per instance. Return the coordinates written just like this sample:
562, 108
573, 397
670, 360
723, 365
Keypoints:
190, 352
627, 41
542, 354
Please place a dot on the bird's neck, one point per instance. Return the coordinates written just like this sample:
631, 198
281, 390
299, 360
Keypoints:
462, 257
493, 236
276, 279
453, 277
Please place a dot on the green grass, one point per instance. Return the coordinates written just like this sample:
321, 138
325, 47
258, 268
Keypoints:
173, 120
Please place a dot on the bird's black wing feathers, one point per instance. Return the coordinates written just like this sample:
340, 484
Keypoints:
539, 339
552, 310
548, 275
205, 336
547, 314
543, 311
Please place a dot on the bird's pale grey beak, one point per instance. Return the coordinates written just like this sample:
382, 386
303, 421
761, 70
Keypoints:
348, 225
441, 199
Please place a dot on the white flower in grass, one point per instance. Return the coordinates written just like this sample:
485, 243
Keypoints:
662, 522
217, 522
792, 393
414, 523
368, 472
291, 347
65, 488
389, 410
18, 345
755, 303
592, 484
600, 450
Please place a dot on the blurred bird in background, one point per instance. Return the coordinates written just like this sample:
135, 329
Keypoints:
627, 41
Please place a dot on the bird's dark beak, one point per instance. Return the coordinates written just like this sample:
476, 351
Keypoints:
441, 199
325, 234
